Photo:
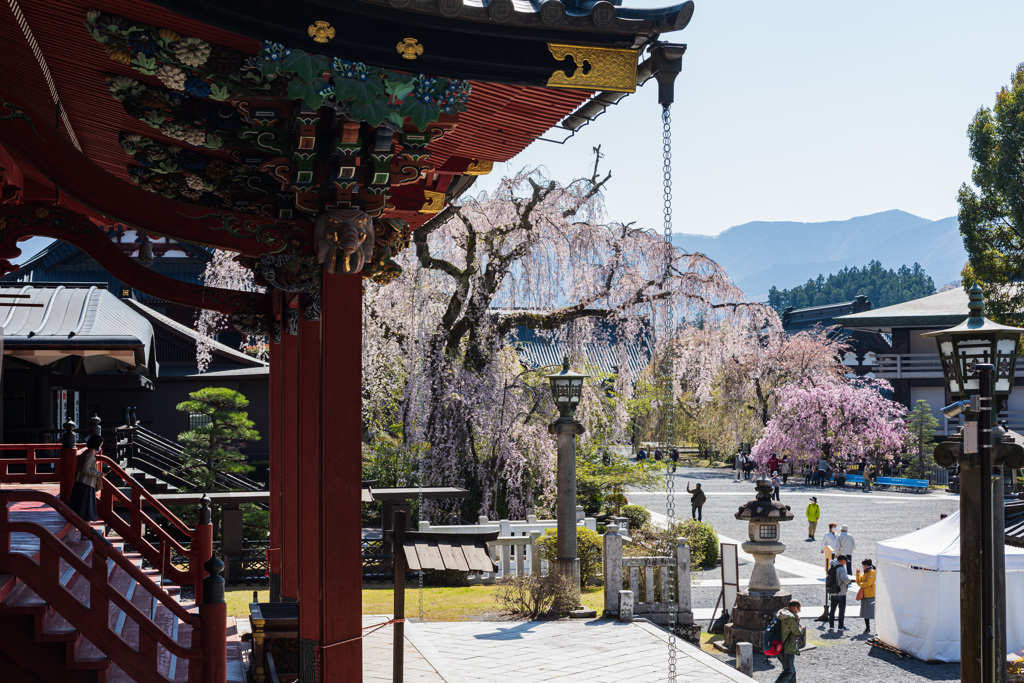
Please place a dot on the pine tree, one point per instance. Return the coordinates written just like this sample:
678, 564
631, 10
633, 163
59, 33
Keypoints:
212, 447
921, 426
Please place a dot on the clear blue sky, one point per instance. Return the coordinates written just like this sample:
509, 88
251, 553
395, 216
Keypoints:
805, 111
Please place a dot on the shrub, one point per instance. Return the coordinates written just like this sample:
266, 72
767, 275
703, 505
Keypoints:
448, 578
532, 595
638, 516
701, 537
588, 549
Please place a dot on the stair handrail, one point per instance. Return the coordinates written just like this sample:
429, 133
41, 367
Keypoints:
152, 442
161, 556
43, 578
141, 493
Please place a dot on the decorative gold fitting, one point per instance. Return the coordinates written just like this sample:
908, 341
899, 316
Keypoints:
434, 203
409, 48
479, 167
321, 31
597, 68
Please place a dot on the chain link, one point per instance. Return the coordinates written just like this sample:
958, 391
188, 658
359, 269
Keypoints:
416, 408
670, 432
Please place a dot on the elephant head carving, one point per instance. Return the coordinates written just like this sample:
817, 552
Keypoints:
344, 240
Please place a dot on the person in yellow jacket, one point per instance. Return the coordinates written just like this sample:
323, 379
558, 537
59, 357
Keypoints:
813, 515
866, 580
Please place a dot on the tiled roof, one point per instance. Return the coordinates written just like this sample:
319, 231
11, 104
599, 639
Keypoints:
944, 309
75, 321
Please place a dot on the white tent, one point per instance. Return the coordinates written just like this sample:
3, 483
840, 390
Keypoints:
918, 592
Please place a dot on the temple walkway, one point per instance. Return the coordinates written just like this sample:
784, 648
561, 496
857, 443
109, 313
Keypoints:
595, 651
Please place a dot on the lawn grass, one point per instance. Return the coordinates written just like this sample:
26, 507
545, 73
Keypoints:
239, 597
439, 604
453, 604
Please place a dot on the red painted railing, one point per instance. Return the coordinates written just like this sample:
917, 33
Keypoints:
42, 575
31, 462
134, 530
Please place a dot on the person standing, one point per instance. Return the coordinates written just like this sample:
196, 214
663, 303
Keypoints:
785, 469
641, 455
813, 515
673, 455
866, 581
824, 472
87, 481
846, 545
830, 541
837, 587
792, 633
697, 500
776, 483
657, 454
748, 465
867, 476
738, 464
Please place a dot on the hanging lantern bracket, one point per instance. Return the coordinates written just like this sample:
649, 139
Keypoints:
668, 62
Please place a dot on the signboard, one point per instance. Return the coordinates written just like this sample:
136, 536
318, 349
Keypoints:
62, 407
730, 575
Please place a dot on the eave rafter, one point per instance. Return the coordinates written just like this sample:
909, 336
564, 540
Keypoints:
41, 220
32, 138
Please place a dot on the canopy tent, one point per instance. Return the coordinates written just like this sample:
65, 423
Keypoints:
918, 592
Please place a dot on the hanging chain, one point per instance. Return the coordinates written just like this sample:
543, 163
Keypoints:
416, 406
670, 432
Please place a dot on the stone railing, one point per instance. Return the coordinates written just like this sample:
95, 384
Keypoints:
641, 586
515, 550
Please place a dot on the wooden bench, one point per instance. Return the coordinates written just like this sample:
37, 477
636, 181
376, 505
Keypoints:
899, 482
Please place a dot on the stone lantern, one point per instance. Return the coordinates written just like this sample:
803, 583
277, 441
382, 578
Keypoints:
763, 597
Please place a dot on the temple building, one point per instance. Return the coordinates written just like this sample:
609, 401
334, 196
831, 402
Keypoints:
310, 139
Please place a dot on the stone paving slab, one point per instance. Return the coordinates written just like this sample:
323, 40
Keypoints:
378, 655
596, 651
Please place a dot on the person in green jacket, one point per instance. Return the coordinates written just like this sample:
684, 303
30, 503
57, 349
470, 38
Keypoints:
792, 631
813, 515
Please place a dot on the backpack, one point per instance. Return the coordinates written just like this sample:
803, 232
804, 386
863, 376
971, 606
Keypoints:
771, 643
832, 580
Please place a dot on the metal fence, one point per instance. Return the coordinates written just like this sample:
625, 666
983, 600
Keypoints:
377, 567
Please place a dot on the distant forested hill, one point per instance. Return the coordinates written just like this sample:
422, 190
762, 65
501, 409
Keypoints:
787, 254
882, 287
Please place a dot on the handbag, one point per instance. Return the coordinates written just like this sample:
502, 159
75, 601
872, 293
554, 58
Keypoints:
860, 594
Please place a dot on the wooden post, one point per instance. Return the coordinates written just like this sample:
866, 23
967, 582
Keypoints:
341, 478
310, 468
274, 441
401, 521
289, 417
202, 547
68, 461
213, 616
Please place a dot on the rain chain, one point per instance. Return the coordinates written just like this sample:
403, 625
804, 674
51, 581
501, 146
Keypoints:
670, 485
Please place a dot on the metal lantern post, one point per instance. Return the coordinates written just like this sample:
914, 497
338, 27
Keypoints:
979, 359
567, 389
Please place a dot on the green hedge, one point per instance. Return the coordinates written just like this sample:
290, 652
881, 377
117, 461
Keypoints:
588, 548
638, 516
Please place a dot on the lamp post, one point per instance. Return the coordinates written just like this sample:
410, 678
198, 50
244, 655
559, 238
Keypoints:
979, 358
566, 390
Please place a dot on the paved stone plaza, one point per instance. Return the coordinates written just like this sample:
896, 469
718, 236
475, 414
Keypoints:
596, 651
871, 517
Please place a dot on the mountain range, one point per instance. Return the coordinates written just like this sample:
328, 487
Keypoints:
785, 254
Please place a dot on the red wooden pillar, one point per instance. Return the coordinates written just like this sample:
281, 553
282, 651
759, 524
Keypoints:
274, 441
289, 417
310, 466
341, 334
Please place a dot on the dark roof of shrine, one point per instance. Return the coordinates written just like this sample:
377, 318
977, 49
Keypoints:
86, 321
799, 319
944, 309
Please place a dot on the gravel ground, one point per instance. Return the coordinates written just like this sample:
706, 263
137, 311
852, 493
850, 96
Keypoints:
871, 517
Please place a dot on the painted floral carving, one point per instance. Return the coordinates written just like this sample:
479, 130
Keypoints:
192, 51
189, 175
358, 91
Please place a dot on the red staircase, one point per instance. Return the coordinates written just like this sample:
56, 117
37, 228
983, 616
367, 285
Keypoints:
86, 611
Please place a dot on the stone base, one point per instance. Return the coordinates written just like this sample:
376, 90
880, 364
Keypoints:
583, 614
751, 615
690, 633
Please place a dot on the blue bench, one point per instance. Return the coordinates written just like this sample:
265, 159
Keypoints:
855, 478
899, 482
